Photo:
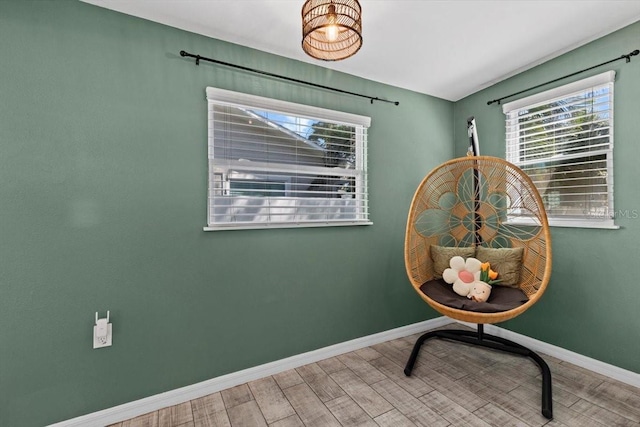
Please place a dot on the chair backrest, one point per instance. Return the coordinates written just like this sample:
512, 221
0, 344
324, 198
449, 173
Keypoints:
483, 201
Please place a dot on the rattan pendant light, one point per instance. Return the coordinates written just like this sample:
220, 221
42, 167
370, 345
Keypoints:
331, 29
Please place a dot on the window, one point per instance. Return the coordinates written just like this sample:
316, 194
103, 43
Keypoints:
563, 139
279, 164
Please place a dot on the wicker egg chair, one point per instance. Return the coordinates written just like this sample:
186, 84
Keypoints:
477, 202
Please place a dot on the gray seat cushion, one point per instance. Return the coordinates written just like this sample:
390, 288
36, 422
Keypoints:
501, 299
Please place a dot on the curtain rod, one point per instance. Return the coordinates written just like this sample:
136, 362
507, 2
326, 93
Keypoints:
277, 76
627, 57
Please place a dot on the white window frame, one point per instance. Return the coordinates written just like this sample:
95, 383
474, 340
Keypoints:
358, 203
511, 110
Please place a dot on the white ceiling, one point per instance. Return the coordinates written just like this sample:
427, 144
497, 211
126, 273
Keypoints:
449, 49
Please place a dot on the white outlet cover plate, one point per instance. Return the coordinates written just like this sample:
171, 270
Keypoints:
99, 344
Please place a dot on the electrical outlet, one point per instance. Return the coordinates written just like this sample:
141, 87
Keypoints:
102, 332
100, 341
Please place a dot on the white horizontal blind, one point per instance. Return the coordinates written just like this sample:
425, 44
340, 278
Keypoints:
279, 164
563, 139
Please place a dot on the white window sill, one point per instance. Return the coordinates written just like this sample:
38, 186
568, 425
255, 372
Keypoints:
571, 223
259, 226
606, 225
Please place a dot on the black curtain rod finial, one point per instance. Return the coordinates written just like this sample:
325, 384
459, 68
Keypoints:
628, 57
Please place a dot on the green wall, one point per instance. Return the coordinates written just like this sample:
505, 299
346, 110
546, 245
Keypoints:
103, 189
103, 178
591, 304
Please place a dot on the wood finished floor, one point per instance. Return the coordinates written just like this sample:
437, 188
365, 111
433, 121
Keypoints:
452, 385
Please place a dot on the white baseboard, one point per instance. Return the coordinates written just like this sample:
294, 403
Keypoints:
195, 391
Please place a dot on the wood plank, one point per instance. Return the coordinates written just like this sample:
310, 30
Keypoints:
517, 373
292, 421
349, 413
531, 398
439, 348
413, 384
451, 366
449, 388
407, 342
213, 419
531, 395
403, 345
555, 423
310, 370
236, 396
573, 418
589, 388
246, 414
617, 390
463, 357
486, 356
331, 365
146, 420
397, 356
492, 379
602, 415
175, 415
412, 408
620, 398
561, 413
393, 418
309, 408
451, 411
495, 416
288, 378
574, 371
210, 403
527, 411
425, 359
361, 393
269, 397
368, 353
209, 411
522, 364
576, 380
320, 382
362, 368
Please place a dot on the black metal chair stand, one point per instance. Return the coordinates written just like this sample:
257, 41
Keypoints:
491, 341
